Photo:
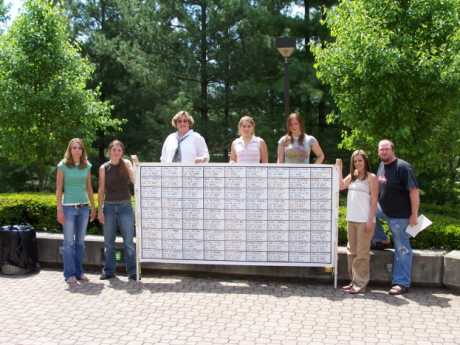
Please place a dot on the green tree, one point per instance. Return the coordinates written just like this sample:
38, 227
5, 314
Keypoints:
394, 72
44, 101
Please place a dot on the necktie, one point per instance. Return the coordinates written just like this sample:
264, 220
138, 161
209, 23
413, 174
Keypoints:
177, 155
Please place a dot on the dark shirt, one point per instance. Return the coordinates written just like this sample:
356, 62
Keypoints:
395, 181
117, 184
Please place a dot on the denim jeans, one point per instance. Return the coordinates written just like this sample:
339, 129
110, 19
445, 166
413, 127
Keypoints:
75, 223
119, 215
402, 261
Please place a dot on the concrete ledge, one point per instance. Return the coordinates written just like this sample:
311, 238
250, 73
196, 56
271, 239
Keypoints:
428, 266
451, 276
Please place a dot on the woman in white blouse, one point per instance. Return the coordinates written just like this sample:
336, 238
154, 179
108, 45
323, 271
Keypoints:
248, 148
184, 145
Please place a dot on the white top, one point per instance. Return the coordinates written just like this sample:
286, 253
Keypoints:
358, 201
247, 153
192, 146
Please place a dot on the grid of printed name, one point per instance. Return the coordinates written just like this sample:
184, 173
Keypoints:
267, 214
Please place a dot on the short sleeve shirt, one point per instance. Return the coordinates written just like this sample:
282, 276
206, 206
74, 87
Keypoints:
75, 191
395, 181
295, 152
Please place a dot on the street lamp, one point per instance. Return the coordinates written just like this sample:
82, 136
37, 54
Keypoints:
286, 46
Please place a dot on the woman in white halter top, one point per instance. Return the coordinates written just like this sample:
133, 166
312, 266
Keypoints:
248, 148
361, 208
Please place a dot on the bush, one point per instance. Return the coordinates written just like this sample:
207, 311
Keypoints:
40, 211
37, 209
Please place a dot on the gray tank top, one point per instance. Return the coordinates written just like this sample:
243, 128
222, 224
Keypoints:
117, 185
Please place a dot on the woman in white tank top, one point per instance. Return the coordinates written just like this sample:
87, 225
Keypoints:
248, 148
361, 208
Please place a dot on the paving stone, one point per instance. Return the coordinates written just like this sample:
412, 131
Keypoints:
175, 310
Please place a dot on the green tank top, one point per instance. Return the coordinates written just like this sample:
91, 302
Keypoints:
75, 191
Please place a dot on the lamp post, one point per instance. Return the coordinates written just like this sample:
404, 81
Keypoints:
286, 46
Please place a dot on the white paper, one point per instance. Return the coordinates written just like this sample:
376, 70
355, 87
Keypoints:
422, 223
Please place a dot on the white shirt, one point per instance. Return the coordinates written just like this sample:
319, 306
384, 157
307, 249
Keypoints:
247, 153
191, 147
358, 201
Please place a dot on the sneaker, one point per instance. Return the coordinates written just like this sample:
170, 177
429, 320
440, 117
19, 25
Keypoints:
105, 276
83, 278
398, 290
72, 282
133, 277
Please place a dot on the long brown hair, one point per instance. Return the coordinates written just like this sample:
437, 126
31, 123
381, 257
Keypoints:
68, 159
123, 167
352, 164
295, 116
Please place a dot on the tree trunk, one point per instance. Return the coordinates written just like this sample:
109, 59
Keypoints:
204, 68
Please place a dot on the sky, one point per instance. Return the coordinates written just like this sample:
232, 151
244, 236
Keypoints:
16, 5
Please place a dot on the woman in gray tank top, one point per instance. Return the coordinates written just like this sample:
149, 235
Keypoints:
115, 210
361, 208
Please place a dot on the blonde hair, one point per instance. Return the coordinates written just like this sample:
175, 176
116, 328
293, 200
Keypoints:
249, 120
180, 114
68, 159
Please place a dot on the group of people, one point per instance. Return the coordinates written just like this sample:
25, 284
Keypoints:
187, 146
75, 206
391, 195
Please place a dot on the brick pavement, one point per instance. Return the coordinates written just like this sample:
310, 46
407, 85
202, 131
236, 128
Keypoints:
39, 309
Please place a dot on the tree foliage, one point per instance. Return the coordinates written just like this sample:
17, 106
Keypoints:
216, 58
394, 72
44, 101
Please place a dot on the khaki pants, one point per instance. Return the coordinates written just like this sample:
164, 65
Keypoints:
359, 243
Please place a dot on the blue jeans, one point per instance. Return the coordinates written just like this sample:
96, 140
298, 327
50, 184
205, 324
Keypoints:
75, 223
119, 215
402, 261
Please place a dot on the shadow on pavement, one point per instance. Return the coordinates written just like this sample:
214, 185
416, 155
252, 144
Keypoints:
282, 289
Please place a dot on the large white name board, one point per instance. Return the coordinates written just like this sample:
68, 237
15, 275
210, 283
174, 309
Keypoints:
267, 214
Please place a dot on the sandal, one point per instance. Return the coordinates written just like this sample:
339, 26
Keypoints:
398, 290
356, 290
347, 287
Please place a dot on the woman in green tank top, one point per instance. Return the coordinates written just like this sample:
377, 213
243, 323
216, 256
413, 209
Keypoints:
74, 195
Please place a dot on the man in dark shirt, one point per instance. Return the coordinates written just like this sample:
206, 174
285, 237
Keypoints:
398, 205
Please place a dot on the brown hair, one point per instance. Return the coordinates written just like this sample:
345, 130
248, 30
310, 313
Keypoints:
352, 164
295, 116
123, 167
68, 159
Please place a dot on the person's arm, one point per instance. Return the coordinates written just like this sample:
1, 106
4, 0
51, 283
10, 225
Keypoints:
59, 192
263, 152
89, 188
374, 190
280, 152
318, 151
414, 196
202, 149
233, 158
164, 151
101, 195
343, 182
130, 168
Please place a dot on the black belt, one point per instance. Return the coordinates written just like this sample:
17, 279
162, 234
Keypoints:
79, 205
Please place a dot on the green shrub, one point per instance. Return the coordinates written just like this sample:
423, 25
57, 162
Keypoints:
37, 209
40, 211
